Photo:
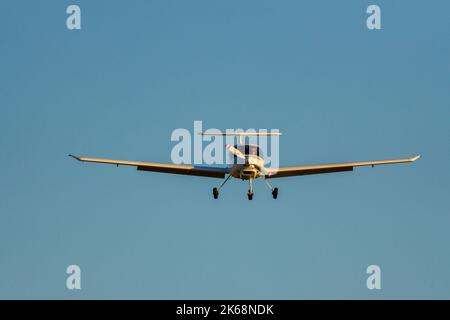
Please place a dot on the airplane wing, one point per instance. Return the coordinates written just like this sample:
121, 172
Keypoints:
211, 172
329, 168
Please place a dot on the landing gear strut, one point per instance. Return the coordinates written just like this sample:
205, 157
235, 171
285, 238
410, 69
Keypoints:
216, 190
274, 190
250, 190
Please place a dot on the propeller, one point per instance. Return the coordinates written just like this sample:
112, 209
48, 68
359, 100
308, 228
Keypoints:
235, 151
239, 154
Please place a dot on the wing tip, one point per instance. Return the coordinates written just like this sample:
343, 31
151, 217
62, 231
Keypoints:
416, 158
75, 157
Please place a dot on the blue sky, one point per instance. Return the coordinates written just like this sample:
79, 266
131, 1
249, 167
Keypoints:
137, 70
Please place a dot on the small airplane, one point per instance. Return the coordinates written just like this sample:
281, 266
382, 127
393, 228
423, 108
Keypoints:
248, 165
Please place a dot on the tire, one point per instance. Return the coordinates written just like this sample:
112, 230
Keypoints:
215, 193
275, 193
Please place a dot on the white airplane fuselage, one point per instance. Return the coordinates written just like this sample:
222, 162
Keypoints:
252, 168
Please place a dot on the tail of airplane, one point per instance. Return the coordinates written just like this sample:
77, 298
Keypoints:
241, 135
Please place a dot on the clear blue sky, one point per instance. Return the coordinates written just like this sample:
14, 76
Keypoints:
139, 69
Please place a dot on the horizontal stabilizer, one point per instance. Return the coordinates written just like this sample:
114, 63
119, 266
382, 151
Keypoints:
240, 134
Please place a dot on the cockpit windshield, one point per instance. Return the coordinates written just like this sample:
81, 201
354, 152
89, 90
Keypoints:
250, 149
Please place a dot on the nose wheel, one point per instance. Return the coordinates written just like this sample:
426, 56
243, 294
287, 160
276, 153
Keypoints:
250, 189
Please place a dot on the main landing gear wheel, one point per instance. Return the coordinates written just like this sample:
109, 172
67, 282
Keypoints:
215, 193
250, 195
275, 193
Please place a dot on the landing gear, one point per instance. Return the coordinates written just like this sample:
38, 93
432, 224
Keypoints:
274, 190
250, 189
250, 193
216, 190
275, 193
